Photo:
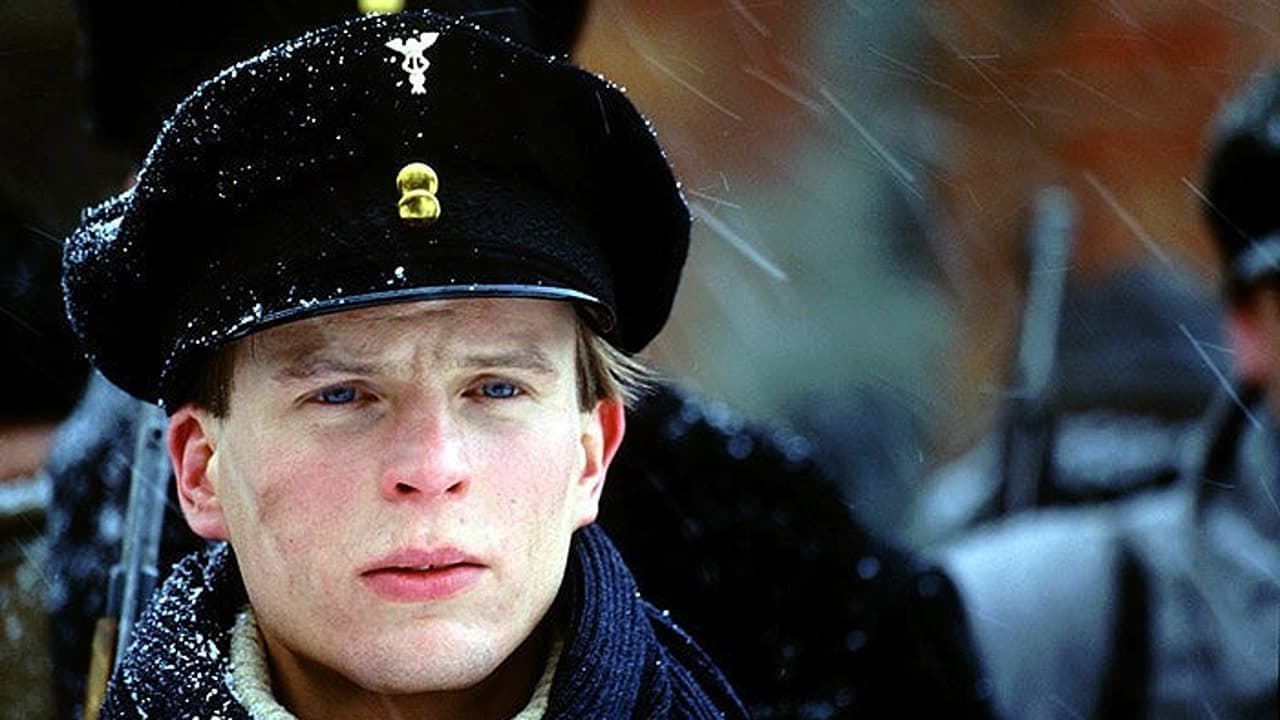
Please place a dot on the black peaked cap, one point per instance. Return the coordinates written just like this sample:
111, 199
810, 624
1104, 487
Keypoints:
271, 195
1242, 187
40, 362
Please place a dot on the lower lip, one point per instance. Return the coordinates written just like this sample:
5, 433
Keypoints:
419, 585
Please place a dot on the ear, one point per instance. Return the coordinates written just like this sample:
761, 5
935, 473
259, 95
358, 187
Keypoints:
192, 446
602, 433
1244, 332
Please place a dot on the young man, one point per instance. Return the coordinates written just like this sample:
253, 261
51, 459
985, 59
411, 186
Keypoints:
386, 279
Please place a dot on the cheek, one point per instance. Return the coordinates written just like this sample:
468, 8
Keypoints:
287, 497
536, 477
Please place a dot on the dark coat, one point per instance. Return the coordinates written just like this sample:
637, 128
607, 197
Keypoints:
738, 532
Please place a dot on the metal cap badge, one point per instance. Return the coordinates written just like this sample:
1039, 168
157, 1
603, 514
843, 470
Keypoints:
418, 183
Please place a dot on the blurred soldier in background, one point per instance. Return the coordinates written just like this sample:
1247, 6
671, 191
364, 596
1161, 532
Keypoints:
1167, 605
1083, 278
727, 525
42, 367
45, 374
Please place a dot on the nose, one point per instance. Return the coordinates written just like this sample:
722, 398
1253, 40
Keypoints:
427, 457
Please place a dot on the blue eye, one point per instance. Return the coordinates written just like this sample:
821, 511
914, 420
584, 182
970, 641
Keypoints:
498, 390
338, 395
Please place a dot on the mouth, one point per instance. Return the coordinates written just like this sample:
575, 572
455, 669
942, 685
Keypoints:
422, 576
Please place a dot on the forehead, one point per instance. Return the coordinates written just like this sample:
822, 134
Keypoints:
442, 326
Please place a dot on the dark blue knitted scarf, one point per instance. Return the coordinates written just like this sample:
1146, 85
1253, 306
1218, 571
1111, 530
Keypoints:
622, 657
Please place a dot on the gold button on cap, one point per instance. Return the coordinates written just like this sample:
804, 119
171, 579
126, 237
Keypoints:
418, 183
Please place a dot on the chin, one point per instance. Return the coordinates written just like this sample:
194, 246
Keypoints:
412, 668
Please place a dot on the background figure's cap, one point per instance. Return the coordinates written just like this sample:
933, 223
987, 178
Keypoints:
1242, 190
141, 57
40, 360
291, 185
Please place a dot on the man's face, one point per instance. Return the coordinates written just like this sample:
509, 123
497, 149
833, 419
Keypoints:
1254, 330
400, 484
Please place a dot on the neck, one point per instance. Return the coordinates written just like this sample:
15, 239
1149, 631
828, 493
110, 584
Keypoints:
313, 692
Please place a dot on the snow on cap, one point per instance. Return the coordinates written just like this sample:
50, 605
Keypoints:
391, 158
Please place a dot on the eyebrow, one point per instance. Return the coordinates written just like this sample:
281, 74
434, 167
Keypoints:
526, 358
312, 365
532, 359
